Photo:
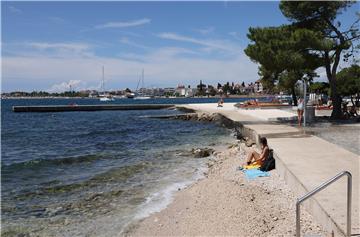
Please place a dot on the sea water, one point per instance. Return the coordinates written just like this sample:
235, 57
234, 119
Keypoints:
93, 173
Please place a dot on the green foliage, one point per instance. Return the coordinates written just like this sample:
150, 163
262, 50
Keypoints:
268, 79
314, 39
282, 48
280, 52
320, 17
348, 81
201, 89
309, 10
319, 88
288, 79
47, 94
226, 88
211, 90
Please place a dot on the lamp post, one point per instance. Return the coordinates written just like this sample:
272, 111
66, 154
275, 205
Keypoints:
305, 102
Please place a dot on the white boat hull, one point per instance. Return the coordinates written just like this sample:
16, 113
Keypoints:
142, 98
105, 99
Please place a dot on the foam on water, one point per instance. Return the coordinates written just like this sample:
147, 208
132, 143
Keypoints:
161, 199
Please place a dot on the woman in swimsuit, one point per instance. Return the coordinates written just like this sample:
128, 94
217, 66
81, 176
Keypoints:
257, 159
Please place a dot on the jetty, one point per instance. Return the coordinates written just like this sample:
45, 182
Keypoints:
68, 108
303, 160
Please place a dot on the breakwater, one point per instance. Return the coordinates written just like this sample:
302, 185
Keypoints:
67, 108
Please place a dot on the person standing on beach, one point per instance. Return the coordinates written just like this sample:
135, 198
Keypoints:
300, 110
221, 102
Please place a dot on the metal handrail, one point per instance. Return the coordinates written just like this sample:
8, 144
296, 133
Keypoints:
321, 187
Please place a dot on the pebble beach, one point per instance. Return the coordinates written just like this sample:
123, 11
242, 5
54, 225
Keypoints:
225, 203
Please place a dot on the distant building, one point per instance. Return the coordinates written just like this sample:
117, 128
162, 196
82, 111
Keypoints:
250, 88
190, 92
158, 91
180, 90
169, 91
239, 88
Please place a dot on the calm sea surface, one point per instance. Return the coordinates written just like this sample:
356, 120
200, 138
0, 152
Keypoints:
92, 173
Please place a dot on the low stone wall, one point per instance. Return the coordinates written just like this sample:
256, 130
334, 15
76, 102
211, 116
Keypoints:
207, 117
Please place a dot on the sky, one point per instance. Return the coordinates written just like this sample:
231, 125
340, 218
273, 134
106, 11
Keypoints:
51, 45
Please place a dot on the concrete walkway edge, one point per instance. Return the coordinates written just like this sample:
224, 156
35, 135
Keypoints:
303, 161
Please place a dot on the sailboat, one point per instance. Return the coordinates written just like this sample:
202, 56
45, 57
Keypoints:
141, 95
104, 97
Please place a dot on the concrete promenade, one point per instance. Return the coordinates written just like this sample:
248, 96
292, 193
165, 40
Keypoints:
304, 161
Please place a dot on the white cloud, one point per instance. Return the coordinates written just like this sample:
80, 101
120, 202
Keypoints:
15, 10
124, 24
51, 66
60, 49
127, 41
65, 86
206, 30
210, 44
58, 46
163, 67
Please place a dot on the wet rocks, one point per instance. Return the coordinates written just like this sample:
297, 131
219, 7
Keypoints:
189, 116
207, 117
249, 143
202, 152
93, 197
52, 211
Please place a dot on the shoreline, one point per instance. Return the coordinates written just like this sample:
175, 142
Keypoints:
169, 193
303, 169
160, 97
224, 202
102, 222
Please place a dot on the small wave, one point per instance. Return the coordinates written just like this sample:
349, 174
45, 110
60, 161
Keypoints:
97, 133
120, 173
113, 175
59, 161
161, 199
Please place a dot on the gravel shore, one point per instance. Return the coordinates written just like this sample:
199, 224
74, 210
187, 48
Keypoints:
225, 203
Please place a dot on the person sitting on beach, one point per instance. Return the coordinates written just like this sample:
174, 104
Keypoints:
254, 158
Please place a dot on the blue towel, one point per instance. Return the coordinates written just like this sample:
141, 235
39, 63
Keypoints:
254, 173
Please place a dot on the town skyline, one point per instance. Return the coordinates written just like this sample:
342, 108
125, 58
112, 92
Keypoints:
46, 46
202, 89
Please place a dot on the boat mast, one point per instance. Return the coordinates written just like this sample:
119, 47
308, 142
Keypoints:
142, 76
103, 80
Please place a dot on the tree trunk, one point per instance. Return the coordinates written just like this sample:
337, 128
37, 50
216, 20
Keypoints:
352, 101
336, 99
294, 96
331, 75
